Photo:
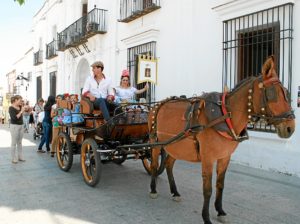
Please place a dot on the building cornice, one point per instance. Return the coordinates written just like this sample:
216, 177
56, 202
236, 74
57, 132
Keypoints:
141, 38
228, 9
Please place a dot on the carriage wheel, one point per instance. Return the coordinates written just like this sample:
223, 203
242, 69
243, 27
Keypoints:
64, 152
161, 162
90, 162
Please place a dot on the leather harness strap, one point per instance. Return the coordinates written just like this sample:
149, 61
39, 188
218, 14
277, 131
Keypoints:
228, 119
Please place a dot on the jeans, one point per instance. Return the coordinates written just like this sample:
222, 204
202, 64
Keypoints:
26, 122
102, 104
47, 130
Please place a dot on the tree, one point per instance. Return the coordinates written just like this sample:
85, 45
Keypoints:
21, 2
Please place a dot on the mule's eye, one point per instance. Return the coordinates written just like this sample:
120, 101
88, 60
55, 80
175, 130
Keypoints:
271, 94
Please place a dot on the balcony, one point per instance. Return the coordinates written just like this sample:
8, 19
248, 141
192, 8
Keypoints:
51, 50
38, 57
82, 29
133, 9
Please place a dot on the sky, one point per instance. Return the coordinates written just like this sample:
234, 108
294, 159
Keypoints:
15, 35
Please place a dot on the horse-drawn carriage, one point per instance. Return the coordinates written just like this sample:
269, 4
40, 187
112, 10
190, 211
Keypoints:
99, 142
204, 129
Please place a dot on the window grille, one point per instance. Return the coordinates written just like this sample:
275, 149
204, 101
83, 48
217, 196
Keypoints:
132, 58
250, 39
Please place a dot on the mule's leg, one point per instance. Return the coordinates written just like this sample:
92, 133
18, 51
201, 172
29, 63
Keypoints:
154, 166
222, 165
169, 163
207, 169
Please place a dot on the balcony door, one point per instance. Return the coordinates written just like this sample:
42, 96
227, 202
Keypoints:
84, 17
52, 77
38, 87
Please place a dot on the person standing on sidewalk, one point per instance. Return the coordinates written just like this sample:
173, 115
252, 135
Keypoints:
16, 128
56, 112
47, 125
38, 108
26, 116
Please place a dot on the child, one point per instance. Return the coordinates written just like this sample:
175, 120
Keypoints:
74, 115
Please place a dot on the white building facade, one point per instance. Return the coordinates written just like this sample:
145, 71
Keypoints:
200, 46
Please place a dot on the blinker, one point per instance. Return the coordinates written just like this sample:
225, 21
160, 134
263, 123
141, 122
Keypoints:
271, 94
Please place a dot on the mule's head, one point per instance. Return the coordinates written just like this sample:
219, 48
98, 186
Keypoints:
271, 101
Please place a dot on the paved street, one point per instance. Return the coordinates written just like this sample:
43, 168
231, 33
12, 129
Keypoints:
37, 191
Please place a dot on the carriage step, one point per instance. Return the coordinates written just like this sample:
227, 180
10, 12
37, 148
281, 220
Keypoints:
105, 150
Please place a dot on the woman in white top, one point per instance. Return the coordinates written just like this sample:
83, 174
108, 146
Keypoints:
126, 93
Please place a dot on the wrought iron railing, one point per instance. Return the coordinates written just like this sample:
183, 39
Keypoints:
51, 49
38, 57
79, 31
133, 9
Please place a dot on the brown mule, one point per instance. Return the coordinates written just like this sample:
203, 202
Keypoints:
256, 98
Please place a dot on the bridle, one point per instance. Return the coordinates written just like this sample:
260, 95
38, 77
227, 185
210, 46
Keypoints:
269, 94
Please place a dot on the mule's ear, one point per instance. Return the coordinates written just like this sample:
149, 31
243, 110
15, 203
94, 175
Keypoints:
268, 69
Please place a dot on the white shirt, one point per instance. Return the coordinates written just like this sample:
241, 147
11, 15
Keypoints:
101, 90
125, 94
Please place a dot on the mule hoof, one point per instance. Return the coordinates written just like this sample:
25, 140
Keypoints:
223, 219
176, 198
153, 195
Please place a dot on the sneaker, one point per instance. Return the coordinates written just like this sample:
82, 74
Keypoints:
52, 154
22, 160
41, 151
14, 162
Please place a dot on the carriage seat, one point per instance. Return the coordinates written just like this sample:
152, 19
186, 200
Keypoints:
87, 107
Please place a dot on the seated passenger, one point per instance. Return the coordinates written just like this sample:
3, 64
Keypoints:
73, 115
126, 93
98, 88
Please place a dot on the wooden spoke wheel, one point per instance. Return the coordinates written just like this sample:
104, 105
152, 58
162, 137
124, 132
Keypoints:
161, 162
64, 151
90, 162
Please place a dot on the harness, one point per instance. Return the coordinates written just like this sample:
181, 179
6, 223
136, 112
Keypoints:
192, 126
269, 94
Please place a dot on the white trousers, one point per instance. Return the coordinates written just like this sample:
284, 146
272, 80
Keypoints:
16, 132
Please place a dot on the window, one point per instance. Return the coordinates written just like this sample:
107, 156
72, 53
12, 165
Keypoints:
52, 76
132, 58
38, 87
247, 42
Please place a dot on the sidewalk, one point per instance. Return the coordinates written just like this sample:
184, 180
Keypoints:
37, 191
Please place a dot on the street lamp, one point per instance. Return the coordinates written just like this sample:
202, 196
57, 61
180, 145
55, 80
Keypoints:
20, 78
